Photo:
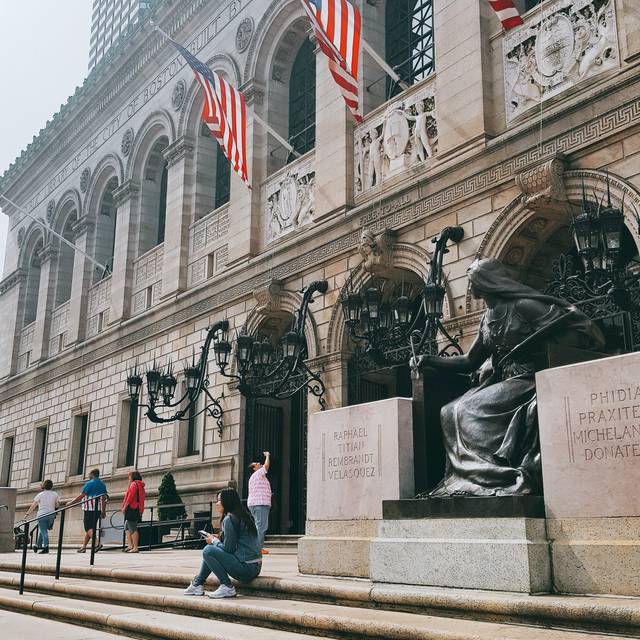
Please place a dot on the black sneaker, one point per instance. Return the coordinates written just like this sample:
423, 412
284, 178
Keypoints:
44, 550
36, 549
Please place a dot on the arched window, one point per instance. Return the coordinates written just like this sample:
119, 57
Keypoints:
213, 176
154, 197
302, 100
106, 231
525, 5
409, 41
64, 275
32, 286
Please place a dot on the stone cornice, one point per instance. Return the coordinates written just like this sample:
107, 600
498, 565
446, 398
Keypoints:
14, 278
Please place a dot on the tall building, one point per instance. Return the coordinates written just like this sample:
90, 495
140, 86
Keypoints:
110, 20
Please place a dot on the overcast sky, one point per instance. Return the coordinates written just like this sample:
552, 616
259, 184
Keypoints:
44, 50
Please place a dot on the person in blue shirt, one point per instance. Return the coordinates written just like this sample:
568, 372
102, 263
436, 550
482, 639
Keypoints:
236, 554
93, 507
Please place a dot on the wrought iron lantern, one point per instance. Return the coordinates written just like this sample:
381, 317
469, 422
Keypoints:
264, 370
598, 232
162, 383
397, 328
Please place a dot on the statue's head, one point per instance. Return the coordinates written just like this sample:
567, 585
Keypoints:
489, 277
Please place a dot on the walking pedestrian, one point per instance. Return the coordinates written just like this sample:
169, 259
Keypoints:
133, 508
236, 554
47, 501
259, 499
93, 507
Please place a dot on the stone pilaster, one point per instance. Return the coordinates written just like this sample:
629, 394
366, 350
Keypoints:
245, 203
81, 280
333, 372
127, 201
628, 13
48, 262
180, 184
11, 307
462, 70
334, 145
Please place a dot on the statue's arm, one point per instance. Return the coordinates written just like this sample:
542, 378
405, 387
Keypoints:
476, 355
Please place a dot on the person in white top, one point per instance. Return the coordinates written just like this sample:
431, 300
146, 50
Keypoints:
47, 501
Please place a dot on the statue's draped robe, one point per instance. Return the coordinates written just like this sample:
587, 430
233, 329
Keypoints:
490, 433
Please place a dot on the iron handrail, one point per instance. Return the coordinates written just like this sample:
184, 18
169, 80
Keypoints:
62, 511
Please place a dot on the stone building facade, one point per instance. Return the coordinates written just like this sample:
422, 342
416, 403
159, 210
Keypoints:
127, 173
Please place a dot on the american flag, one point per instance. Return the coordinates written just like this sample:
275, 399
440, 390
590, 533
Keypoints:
507, 13
224, 113
337, 26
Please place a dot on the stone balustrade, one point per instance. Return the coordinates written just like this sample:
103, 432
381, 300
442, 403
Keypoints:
58, 329
289, 198
561, 44
99, 302
401, 134
208, 247
147, 280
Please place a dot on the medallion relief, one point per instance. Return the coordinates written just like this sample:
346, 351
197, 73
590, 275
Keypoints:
569, 41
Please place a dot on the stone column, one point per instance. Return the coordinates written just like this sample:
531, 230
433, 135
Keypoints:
245, 204
127, 200
180, 184
12, 290
334, 145
81, 280
48, 262
462, 72
7, 518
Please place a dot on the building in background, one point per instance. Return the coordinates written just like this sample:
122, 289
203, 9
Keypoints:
112, 20
128, 173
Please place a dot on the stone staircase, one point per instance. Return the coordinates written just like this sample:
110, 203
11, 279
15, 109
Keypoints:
149, 604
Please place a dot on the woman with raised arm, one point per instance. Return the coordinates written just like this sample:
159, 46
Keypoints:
490, 433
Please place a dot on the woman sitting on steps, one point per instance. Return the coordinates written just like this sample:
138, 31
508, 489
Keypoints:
235, 555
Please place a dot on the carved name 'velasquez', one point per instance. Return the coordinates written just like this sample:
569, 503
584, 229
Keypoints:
224, 17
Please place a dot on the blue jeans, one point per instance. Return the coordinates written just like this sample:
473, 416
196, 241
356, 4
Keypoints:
260, 513
43, 531
223, 564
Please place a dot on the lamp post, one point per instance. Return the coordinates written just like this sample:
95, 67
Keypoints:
161, 385
400, 325
264, 371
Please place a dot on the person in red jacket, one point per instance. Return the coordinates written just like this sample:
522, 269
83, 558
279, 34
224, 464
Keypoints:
133, 508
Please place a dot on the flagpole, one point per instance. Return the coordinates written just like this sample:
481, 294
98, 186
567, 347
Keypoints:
52, 231
382, 64
276, 135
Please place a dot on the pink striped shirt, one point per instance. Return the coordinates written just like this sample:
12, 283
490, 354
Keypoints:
259, 489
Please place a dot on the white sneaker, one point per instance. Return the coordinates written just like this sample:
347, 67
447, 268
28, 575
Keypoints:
224, 591
194, 590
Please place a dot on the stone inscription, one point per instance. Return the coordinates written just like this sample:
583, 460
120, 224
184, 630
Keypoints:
606, 427
352, 454
225, 16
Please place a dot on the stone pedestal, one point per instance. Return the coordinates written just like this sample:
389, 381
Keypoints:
357, 457
7, 518
589, 416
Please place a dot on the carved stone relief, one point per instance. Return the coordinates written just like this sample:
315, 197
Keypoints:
376, 249
179, 92
51, 207
291, 200
84, 179
404, 135
569, 41
542, 184
243, 34
127, 142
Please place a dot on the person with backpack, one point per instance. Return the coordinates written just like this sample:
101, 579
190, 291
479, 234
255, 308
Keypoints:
133, 508
235, 554
47, 501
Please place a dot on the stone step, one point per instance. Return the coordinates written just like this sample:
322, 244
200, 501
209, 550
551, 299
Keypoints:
595, 613
99, 602
129, 621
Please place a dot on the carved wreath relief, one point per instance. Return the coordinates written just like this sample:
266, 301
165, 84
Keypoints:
570, 41
405, 135
291, 201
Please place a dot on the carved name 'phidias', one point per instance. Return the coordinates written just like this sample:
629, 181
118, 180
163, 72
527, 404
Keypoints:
356, 460
612, 423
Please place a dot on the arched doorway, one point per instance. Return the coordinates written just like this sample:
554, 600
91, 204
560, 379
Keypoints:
280, 427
